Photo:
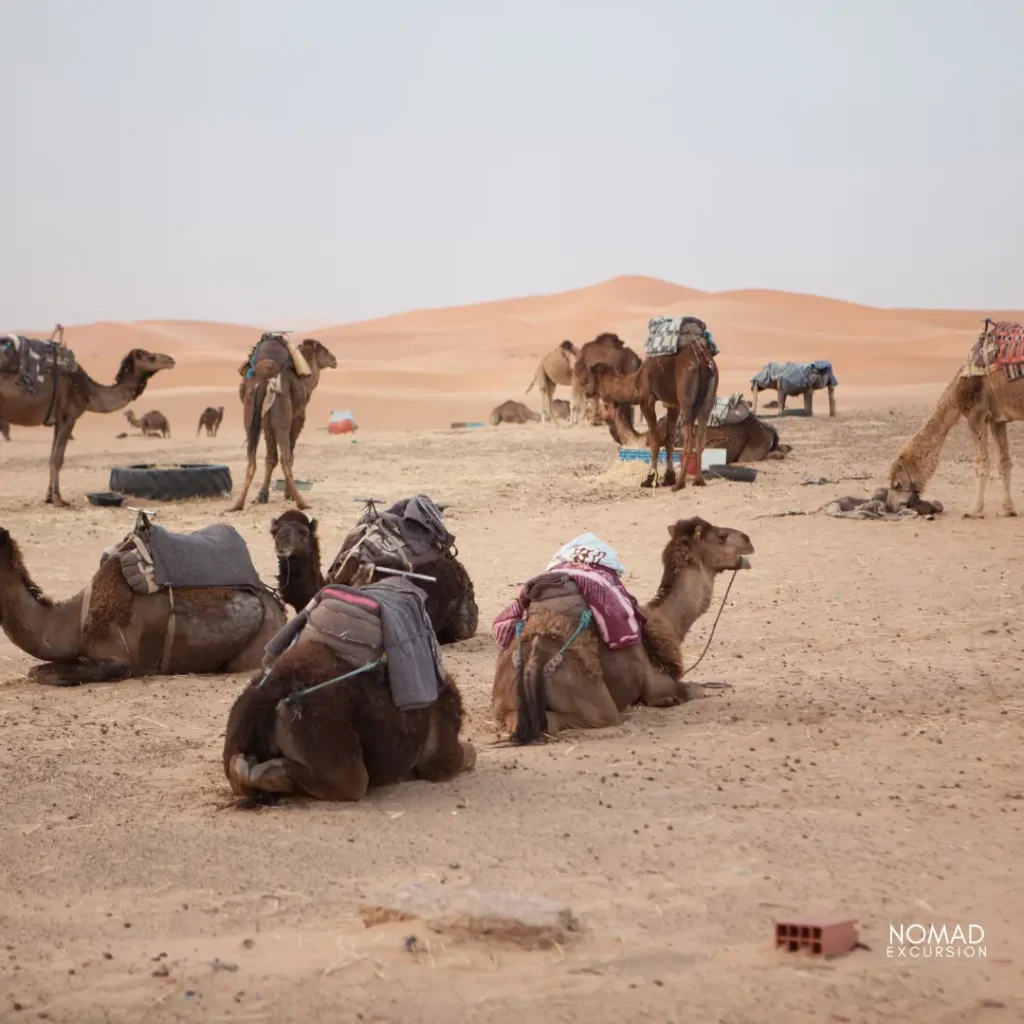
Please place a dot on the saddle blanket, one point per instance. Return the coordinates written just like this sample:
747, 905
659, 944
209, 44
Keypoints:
616, 612
665, 333
280, 350
728, 411
35, 361
793, 378
1002, 345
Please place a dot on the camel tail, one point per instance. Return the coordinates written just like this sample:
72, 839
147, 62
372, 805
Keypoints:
532, 382
531, 696
199, 429
265, 369
495, 418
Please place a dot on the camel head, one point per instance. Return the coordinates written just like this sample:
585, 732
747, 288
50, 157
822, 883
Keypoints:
569, 348
142, 364
11, 563
903, 489
295, 535
590, 377
319, 354
716, 548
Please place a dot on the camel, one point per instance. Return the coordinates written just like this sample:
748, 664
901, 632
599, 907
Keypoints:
554, 369
153, 424
790, 380
210, 419
124, 633
988, 403
608, 350
76, 393
450, 598
281, 422
513, 412
750, 440
590, 685
686, 383
5, 429
335, 743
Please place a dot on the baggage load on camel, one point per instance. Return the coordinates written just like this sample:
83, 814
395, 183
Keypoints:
793, 378
384, 623
154, 559
729, 411
280, 350
1001, 346
36, 362
592, 569
665, 333
408, 536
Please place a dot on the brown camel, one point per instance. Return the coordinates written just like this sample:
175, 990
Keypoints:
686, 383
591, 685
124, 633
153, 424
282, 423
210, 419
988, 403
513, 412
749, 440
450, 598
333, 744
76, 393
607, 350
554, 369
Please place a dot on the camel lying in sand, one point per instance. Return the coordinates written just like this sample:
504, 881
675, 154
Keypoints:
591, 685
336, 742
513, 412
153, 424
124, 633
750, 440
450, 599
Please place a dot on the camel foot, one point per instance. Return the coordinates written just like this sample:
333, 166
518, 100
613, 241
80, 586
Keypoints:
237, 507
669, 479
301, 505
57, 502
1008, 513
974, 515
468, 755
649, 482
699, 481
52, 675
680, 484
262, 497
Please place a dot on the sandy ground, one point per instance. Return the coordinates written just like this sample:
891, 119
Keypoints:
865, 760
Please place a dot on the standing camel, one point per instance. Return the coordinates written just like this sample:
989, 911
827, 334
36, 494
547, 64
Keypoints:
210, 419
686, 384
554, 369
274, 401
987, 402
606, 349
76, 393
153, 424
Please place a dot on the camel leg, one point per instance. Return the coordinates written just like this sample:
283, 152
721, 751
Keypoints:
831, 400
1005, 466
75, 673
648, 409
979, 432
782, 403
701, 432
270, 464
250, 472
287, 451
61, 432
660, 690
576, 708
809, 402
684, 455
756, 392
444, 755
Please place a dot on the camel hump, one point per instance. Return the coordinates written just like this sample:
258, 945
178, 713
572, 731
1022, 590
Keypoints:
265, 369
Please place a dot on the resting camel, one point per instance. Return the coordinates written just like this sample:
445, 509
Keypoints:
512, 412
450, 600
607, 350
592, 685
750, 440
987, 403
216, 629
153, 424
282, 423
554, 369
76, 393
210, 419
336, 743
686, 383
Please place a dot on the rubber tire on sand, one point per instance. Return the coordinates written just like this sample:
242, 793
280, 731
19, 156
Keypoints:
167, 483
744, 473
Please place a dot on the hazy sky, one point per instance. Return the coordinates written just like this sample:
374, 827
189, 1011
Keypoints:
266, 161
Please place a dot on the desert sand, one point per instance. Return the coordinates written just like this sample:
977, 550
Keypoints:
864, 760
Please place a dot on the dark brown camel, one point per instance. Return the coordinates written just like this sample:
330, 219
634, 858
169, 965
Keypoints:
210, 419
299, 576
513, 412
606, 350
76, 393
686, 384
282, 423
335, 743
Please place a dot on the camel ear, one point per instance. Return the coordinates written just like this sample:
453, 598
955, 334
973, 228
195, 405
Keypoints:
4, 538
312, 526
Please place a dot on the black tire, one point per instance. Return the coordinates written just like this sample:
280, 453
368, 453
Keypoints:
743, 473
169, 483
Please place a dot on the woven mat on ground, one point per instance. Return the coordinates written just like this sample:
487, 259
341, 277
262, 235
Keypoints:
876, 508
664, 334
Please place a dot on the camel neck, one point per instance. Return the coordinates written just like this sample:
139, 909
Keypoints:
689, 598
299, 580
114, 397
922, 452
47, 632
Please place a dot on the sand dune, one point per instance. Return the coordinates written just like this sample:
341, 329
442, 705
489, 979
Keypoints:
424, 368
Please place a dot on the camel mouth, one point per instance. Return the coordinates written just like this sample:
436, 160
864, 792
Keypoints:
744, 563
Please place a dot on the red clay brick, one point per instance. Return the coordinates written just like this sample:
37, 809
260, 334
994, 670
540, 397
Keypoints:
817, 936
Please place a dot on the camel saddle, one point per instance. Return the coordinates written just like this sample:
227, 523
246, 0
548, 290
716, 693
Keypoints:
38, 365
1000, 345
279, 350
666, 333
154, 559
729, 411
408, 536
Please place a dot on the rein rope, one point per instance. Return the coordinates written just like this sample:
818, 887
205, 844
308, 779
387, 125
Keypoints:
721, 608
293, 697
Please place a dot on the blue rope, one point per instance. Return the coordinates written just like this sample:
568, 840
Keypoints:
292, 698
585, 620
